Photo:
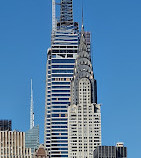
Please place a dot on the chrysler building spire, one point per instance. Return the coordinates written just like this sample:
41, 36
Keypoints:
83, 69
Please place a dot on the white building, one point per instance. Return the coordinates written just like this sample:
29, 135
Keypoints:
84, 115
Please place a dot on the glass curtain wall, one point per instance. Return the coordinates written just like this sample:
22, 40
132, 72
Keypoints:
59, 72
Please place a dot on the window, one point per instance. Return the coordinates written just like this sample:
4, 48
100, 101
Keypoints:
62, 66
62, 71
62, 75
63, 60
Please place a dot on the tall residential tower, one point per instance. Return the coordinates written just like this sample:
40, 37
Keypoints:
59, 72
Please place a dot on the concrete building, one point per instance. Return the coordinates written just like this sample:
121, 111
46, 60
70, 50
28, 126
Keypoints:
118, 151
12, 145
84, 115
59, 72
5, 125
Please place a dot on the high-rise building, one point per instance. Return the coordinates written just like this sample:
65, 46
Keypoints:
32, 135
59, 72
12, 145
118, 151
84, 115
5, 125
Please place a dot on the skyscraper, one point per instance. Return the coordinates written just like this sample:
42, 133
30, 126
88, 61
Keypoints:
32, 139
84, 115
32, 135
59, 72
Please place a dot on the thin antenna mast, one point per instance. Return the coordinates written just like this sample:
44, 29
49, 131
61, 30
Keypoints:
31, 109
82, 15
53, 16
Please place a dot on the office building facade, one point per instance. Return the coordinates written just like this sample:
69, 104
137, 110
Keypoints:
32, 139
59, 72
5, 125
13, 145
84, 115
118, 151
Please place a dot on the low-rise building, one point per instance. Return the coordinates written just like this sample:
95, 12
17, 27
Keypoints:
12, 145
118, 151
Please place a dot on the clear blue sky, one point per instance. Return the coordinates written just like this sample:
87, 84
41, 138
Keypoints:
25, 28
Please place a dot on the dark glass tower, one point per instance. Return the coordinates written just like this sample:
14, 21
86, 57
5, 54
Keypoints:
118, 151
59, 72
5, 125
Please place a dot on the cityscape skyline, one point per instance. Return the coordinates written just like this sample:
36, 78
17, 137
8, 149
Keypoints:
100, 95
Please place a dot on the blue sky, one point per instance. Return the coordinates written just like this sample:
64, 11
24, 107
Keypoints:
25, 30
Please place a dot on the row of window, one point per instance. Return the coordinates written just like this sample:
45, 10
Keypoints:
59, 107
62, 75
60, 83
59, 119
62, 66
58, 115
64, 123
60, 134
62, 71
60, 94
60, 103
63, 60
59, 126
61, 79
61, 91
66, 43
60, 87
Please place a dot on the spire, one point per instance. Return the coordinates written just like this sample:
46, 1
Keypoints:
83, 69
53, 16
82, 27
82, 15
31, 109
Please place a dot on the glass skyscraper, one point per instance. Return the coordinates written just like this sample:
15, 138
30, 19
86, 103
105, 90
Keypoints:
59, 72
32, 139
32, 135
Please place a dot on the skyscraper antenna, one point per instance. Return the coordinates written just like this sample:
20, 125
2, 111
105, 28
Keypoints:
31, 109
53, 16
82, 15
